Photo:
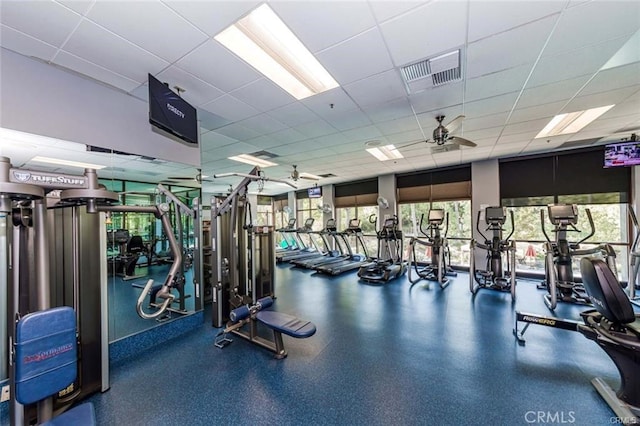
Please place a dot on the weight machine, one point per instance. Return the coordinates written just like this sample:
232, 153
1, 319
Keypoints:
499, 251
439, 267
559, 254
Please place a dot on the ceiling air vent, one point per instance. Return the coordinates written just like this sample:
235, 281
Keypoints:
442, 69
263, 154
327, 175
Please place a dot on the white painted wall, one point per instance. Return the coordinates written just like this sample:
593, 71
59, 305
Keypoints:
45, 100
387, 190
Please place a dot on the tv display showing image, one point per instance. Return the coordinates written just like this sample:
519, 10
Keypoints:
622, 154
169, 112
315, 192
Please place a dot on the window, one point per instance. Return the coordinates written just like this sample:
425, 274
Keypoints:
264, 212
368, 223
308, 207
458, 232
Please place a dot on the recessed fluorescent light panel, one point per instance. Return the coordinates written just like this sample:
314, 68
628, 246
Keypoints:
306, 175
268, 45
384, 153
254, 161
572, 122
57, 161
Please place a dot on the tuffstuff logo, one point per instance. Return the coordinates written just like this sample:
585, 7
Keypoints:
22, 176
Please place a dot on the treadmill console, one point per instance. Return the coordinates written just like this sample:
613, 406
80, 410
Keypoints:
390, 223
495, 215
308, 224
436, 216
354, 223
292, 223
563, 214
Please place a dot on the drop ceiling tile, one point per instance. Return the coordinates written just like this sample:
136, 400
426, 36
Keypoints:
527, 126
611, 97
79, 6
562, 90
516, 139
216, 65
402, 138
471, 124
577, 25
438, 98
536, 112
315, 129
403, 124
97, 72
497, 83
613, 78
287, 136
366, 49
362, 134
150, 25
488, 106
506, 50
238, 132
377, 89
45, 20
389, 110
422, 32
329, 103
576, 63
263, 124
25, 45
294, 114
263, 95
212, 16
320, 24
197, 92
230, 108
487, 18
101, 47
348, 120
384, 10
211, 121
231, 150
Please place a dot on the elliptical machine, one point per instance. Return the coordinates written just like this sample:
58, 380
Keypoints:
634, 261
498, 249
438, 269
389, 264
559, 253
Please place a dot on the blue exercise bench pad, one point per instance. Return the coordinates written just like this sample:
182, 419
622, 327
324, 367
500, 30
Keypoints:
287, 324
46, 354
80, 415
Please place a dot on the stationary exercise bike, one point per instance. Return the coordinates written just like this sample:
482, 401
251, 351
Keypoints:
438, 269
499, 251
559, 253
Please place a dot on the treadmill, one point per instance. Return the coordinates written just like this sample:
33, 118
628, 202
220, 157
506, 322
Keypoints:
286, 233
353, 261
307, 251
329, 254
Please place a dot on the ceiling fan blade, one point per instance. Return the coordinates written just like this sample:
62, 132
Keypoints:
462, 141
411, 144
453, 125
307, 177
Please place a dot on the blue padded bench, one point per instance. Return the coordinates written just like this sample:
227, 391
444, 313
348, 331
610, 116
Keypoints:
277, 322
46, 361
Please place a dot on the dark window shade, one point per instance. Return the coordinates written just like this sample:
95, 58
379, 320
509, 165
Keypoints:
369, 186
583, 172
356, 200
279, 205
302, 194
278, 197
526, 178
446, 175
573, 173
264, 200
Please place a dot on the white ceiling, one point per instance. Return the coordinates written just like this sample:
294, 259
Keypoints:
522, 63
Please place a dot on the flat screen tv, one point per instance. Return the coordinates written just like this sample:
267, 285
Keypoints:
169, 112
622, 154
315, 192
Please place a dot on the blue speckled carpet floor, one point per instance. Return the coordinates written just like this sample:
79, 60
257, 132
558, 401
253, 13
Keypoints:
383, 355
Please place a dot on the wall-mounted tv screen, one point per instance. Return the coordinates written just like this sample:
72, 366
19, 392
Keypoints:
169, 112
622, 154
315, 192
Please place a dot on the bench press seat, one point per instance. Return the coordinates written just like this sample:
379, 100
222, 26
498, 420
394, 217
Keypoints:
286, 324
